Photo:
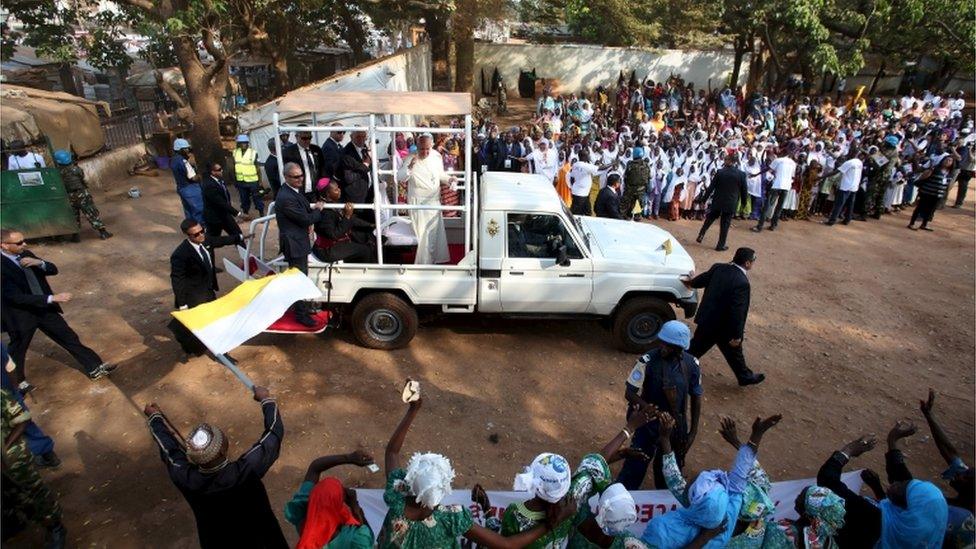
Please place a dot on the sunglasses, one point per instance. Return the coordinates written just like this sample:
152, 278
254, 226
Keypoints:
196, 234
305, 137
293, 175
18, 243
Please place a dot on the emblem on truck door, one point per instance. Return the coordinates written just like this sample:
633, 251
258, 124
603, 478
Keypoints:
492, 227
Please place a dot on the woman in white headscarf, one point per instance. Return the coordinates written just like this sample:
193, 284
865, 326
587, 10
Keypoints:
548, 478
417, 517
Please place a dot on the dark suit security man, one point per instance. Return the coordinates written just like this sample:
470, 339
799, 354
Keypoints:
193, 276
727, 190
218, 213
721, 317
295, 216
608, 200
29, 304
309, 158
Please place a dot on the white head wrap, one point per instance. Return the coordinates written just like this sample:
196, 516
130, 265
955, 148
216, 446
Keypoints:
429, 477
616, 511
548, 478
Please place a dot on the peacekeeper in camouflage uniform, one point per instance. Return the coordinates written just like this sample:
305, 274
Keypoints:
25, 496
81, 199
882, 176
636, 178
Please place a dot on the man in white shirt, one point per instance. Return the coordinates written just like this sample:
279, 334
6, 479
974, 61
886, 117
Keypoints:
23, 159
581, 181
850, 181
783, 168
544, 161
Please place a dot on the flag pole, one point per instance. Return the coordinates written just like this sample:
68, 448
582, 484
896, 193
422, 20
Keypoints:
222, 358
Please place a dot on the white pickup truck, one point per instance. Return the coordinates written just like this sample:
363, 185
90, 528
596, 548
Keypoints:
526, 255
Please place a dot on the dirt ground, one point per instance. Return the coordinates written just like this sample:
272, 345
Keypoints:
850, 324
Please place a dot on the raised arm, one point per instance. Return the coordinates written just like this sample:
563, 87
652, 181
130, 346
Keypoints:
946, 449
894, 458
675, 481
557, 514
264, 452
829, 474
392, 457
324, 463
642, 416
746, 457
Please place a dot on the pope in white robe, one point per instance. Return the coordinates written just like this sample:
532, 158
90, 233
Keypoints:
424, 174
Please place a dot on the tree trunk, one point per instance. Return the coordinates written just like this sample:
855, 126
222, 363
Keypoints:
204, 89
439, 50
740, 52
356, 36
879, 76
68, 79
279, 64
756, 70
465, 18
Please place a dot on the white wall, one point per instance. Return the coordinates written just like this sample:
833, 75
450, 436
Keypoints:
584, 67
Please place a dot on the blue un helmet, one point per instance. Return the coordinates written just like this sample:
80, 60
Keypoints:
675, 333
62, 157
243, 138
181, 144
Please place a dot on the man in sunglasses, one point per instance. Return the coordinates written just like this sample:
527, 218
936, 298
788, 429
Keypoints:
194, 276
295, 215
332, 152
29, 304
308, 155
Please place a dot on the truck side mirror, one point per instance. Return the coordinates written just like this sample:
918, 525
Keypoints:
561, 256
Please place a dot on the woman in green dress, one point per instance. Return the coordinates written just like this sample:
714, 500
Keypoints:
548, 478
416, 519
326, 515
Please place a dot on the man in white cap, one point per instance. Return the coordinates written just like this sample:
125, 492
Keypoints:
228, 499
424, 174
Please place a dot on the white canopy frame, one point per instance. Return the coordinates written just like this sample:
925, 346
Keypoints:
438, 103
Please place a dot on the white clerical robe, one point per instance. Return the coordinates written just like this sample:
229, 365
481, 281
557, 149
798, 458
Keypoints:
424, 187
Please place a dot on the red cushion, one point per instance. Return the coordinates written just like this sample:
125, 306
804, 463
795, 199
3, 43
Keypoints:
456, 251
288, 324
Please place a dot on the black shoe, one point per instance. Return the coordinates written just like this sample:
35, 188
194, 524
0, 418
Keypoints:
756, 229
772, 227
76, 238
50, 459
218, 270
926, 228
102, 370
829, 223
700, 238
56, 537
25, 387
305, 321
104, 235
913, 227
721, 248
754, 379
956, 206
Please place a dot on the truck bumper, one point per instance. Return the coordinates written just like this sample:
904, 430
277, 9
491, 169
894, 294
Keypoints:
689, 304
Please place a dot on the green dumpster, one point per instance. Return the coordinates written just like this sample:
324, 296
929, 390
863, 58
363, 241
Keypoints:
34, 202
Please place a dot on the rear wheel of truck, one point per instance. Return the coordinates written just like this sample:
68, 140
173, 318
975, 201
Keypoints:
384, 321
637, 323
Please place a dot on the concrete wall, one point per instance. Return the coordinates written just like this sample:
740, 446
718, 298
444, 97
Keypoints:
584, 67
111, 166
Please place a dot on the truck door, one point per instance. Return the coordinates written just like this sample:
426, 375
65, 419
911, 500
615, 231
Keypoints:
531, 281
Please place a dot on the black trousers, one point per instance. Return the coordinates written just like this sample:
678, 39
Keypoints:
226, 225
53, 326
580, 205
963, 180
702, 341
353, 252
301, 263
723, 226
777, 196
925, 208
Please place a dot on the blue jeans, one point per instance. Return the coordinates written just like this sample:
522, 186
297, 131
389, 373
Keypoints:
248, 192
38, 443
843, 198
192, 199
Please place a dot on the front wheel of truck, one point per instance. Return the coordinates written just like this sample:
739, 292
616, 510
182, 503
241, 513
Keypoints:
637, 322
384, 321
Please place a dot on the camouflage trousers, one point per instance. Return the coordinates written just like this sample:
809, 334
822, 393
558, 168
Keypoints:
24, 492
874, 203
83, 203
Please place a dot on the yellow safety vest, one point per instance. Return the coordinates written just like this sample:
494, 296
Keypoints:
244, 168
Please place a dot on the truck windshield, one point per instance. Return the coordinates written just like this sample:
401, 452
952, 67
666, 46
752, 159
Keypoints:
579, 227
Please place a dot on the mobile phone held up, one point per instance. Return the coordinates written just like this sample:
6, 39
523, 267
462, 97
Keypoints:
411, 391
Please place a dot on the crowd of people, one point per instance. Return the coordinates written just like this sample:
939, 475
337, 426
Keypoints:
659, 151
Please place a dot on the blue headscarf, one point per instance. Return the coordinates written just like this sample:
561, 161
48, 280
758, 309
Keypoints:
921, 525
709, 503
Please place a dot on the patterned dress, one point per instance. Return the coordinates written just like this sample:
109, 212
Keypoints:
592, 476
441, 530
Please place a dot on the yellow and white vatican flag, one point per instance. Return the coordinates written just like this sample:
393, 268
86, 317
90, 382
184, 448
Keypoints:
247, 310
